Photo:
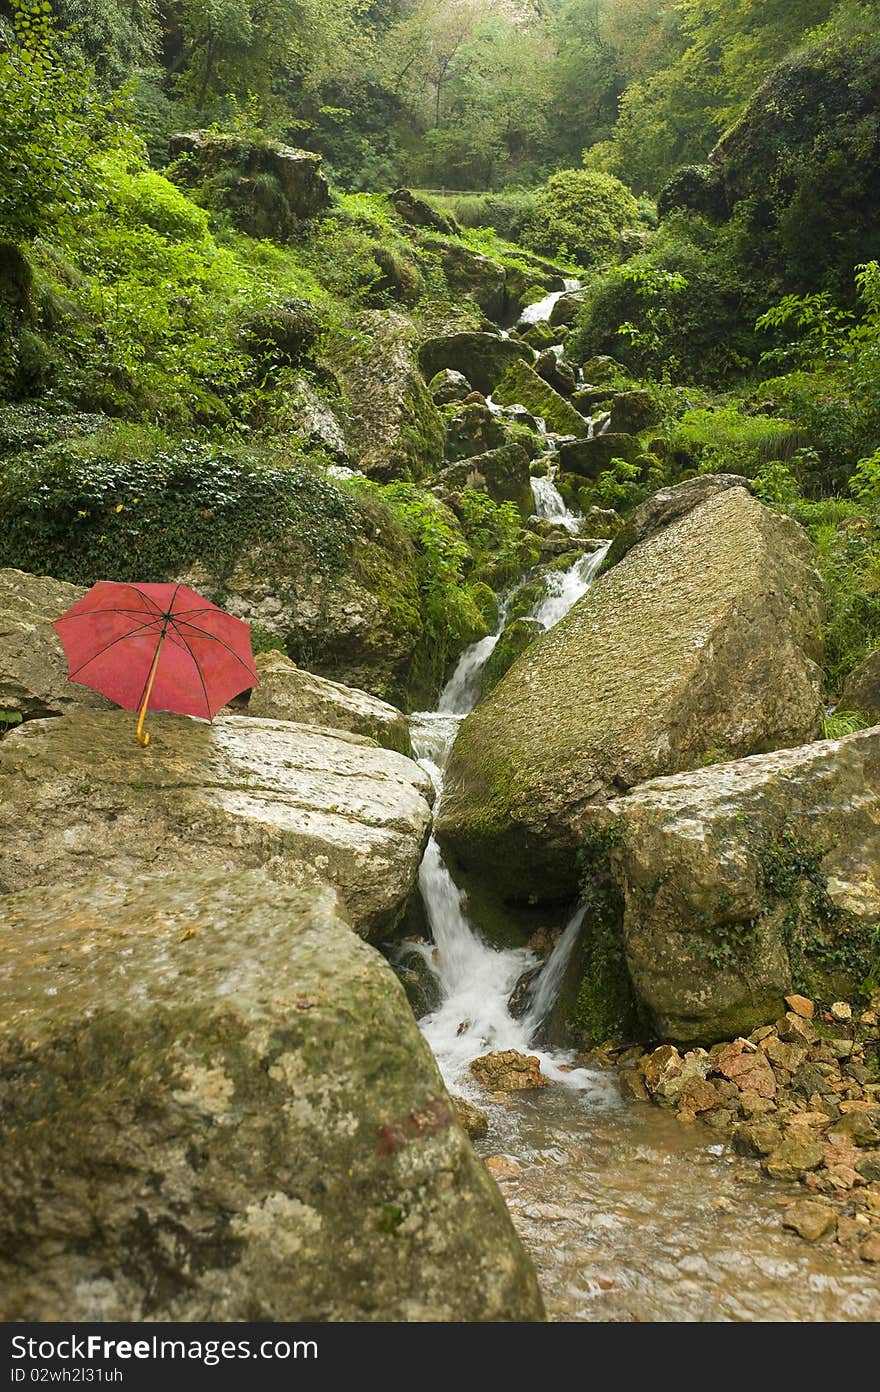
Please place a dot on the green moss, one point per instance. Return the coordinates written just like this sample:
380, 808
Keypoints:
831, 952
604, 1007
521, 386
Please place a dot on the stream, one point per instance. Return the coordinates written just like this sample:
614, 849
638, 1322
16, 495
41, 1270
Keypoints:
628, 1214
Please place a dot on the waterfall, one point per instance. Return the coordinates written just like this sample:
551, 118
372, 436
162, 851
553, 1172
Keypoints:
476, 979
549, 503
542, 309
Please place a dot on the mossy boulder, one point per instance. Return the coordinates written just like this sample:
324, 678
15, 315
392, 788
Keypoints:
501, 473
284, 335
268, 189
633, 411
483, 358
287, 692
744, 881
514, 640
473, 429
418, 212
33, 668
706, 637
861, 691
219, 1107
447, 387
476, 277
395, 430
521, 386
590, 458
664, 506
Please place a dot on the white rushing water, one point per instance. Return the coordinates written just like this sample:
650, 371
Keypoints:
475, 979
535, 313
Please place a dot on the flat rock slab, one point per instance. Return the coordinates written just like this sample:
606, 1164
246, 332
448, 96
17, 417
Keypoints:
218, 1106
80, 797
742, 878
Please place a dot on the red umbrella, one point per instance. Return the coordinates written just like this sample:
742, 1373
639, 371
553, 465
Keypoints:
157, 644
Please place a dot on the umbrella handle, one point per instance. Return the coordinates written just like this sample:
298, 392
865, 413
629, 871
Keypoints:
143, 737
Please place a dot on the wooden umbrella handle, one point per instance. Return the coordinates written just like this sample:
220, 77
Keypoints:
143, 737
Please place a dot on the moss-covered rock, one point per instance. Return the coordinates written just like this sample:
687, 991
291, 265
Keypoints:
417, 212
521, 386
861, 690
395, 429
219, 1107
286, 692
705, 637
590, 458
502, 473
664, 506
516, 637
744, 881
268, 188
468, 273
483, 358
473, 429
33, 668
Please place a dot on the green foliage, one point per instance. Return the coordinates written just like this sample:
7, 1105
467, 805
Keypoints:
492, 531
453, 610
843, 723
82, 512
605, 1007
51, 121
580, 214
725, 439
620, 487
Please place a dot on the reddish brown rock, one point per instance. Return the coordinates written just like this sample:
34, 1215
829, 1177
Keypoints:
508, 1071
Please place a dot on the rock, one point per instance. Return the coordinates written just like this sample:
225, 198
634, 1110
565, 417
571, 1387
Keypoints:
756, 1138
666, 506
796, 1027
698, 1095
539, 335
602, 522
748, 1068
286, 692
710, 841
704, 638
660, 1068
861, 691
852, 1229
267, 188
854, 1128
590, 400
219, 1107
809, 1219
841, 1010
501, 473
555, 371
420, 983
797, 1154
283, 335
514, 640
417, 212
483, 358
448, 386
870, 1250
566, 308
801, 1006
474, 429
788, 1056
476, 277
80, 797
590, 458
602, 369
33, 668
633, 411
868, 1166
521, 386
473, 1119
395, 430
508, 1071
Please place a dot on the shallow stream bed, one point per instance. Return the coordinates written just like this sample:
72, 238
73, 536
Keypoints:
631, 1215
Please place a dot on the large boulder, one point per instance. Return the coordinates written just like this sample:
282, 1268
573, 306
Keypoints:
473, 275
360, 624
861, 691
521, 386
33, 668
267, 188
80, 797
417, 212
746, 880
395, 429
483, 358
287, 692
473, 429
665, 506
702, 643
502, 473
218, 1106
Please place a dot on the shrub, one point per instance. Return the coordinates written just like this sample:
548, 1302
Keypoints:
580, 214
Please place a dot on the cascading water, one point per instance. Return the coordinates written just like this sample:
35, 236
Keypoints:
475, 979
542, 309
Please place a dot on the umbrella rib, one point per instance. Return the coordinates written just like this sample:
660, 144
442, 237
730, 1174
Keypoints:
121, 639
199, 671
216, 639
91, 613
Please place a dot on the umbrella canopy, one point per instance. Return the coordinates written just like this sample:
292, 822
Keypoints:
161, 646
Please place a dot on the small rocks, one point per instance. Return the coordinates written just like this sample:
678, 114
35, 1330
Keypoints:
799, 1005
870, 1250
508, 1071
841, 1010
809, 1219
794, 1157
756, 1138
